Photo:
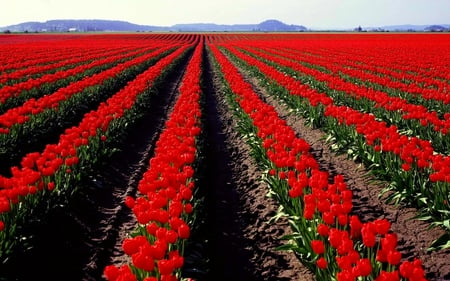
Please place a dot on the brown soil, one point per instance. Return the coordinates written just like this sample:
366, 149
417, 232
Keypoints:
234, 240
242, 242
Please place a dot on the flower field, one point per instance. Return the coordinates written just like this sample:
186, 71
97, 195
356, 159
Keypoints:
182, 156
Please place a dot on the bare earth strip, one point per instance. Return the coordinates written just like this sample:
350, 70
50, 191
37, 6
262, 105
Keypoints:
242, 239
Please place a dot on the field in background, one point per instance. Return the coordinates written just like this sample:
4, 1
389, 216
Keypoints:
144, 155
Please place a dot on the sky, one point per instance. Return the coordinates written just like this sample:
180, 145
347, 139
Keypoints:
310, 13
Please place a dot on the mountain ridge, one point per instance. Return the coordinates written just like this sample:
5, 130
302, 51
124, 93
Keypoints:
117, 25
270, 25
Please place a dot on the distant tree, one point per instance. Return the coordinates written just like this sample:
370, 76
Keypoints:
7, 31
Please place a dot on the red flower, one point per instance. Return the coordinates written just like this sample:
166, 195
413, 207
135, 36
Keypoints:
342, 220
152, 228
171, 236
389, 242
336, 237
131, 245
323, 205
368, 235
364, 267
345, 275
143, 261
124, 273
129, 202
2, 225
176, 258
159, 249
394, 257
188, 208
346, 246
323, 230
355, 227
329, 218
184, 231
318, 247
388, 276
166, 267
295, 192
381, 255
321, 263
406, 269
51, 186
111, 272
382, 226
308, 213
175, 208
5, 206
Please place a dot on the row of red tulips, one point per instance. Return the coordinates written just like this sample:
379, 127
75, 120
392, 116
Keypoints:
65, 59
93, 62
163, 206
334, 243
17, 56
54, 172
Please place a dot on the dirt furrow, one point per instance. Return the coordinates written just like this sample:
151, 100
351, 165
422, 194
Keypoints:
241, 241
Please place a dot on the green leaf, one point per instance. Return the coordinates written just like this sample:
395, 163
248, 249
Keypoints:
280, 213
423, 218
287, 247
441, 243
289, 237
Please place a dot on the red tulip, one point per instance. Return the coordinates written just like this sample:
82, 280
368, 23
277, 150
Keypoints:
321, 263
318, 247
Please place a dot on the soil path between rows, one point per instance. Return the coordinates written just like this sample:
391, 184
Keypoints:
242, 241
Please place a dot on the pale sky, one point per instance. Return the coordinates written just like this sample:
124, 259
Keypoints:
310, 13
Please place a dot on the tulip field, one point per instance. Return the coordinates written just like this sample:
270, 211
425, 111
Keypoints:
225, 156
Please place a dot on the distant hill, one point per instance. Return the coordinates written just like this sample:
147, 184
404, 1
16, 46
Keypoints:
411, 27
265, 26
113, 25
275, 25
437, 28
80, 26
